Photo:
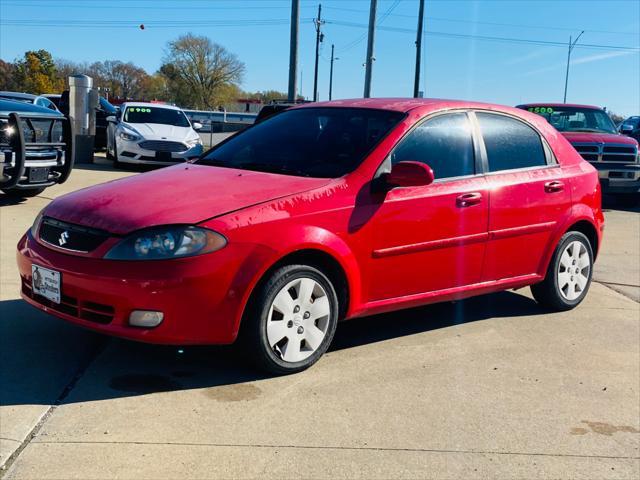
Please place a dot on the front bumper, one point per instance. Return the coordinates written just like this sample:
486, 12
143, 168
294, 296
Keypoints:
199, 296
132, 152
618, 178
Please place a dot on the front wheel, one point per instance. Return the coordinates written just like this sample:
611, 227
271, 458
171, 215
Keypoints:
291, 320
569, 274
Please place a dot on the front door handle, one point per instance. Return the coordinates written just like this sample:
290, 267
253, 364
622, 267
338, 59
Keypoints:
469, 199
555, 186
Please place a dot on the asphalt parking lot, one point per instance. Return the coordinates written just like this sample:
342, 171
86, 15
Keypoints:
492, 387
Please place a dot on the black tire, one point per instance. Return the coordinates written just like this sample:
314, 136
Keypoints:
24, 192
253, 335
114, 157
547, 293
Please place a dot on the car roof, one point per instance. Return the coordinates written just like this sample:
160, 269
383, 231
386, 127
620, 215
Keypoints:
26, 96
559, 105
8, 106
406, 104
149, 104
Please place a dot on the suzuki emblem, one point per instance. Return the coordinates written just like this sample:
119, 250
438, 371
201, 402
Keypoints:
64, 236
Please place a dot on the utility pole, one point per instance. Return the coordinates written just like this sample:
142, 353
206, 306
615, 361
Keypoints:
331, 72
416, 83
369, 60
293, 50
566, 78
319, 38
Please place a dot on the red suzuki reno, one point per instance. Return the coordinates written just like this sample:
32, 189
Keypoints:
323, 212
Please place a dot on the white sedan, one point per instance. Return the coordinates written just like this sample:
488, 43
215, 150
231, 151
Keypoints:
148, 133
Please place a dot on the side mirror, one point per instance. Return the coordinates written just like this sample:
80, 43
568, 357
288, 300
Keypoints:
626, 128
410, 174
197, 126
112, 118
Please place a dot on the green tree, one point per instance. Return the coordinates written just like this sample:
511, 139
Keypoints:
199, 72
36, 73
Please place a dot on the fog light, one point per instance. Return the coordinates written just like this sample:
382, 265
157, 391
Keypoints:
145, 318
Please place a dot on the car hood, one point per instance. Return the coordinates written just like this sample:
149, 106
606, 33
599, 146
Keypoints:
593, 137
181, 194
159, 131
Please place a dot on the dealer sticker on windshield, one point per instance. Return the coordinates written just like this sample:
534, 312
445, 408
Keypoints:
46, 283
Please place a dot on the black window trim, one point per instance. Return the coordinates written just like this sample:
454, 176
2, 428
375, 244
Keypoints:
550, 158
385, 166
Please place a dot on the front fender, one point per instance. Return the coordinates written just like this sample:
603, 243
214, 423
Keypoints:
289, 240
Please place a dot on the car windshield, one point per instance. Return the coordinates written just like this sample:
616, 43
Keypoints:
310, 142
576, 119
632, 122
164, 116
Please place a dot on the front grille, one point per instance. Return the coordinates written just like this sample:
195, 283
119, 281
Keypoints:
163, 146
89, 311
70, 236
597, 152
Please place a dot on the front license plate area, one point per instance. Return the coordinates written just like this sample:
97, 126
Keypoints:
163, 156
46, 283
38, 175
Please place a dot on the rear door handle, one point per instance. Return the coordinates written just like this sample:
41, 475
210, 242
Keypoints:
469, 199
555, 186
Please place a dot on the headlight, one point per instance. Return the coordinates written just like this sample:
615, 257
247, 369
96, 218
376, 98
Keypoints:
36, 224
167, 242
129, 136
194, 142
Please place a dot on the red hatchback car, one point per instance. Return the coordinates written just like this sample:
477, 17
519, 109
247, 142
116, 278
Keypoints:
324, 212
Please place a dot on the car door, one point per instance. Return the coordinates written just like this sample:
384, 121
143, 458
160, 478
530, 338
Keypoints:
430, 238
528, 195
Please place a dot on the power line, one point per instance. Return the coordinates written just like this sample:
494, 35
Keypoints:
486, 37
383, 17
515, 25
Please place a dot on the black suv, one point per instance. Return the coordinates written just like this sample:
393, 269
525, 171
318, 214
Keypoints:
36, 148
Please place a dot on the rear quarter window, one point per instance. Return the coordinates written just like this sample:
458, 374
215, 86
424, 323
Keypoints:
510, 143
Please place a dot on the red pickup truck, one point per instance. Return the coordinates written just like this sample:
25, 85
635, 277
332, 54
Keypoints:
592, 133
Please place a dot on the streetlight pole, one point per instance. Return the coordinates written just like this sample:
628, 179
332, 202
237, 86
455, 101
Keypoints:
331, 72
572, 44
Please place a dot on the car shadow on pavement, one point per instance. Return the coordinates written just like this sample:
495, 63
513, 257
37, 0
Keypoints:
47, 361
8, 200
612, 202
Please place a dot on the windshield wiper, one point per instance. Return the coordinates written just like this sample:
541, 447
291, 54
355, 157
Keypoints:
594, 130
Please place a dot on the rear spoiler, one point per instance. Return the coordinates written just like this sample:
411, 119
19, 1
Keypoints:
20, 147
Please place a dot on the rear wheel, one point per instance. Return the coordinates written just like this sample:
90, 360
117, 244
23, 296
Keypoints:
569, 274
24, 192
291, 320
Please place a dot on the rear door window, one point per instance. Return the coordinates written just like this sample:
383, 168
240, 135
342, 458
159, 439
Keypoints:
510, 143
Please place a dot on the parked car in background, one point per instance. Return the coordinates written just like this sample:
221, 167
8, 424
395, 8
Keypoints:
275, 107
593, 134
148, 133
104, 111
38, 100
631, 127
322, 212
36, 148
